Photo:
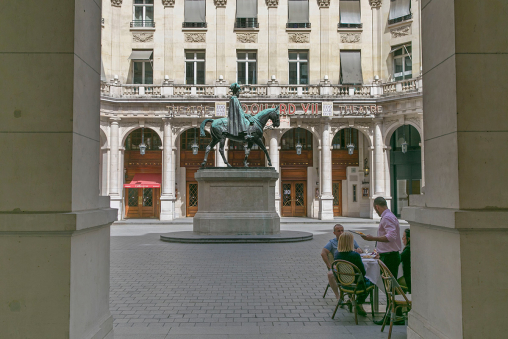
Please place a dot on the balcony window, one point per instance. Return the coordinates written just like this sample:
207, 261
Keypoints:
142, 66
350, 16
194, 13
298, 14
142, 14
351, 68
402, 62
195, 68
246, 14
299, 68
247, 68
400, 10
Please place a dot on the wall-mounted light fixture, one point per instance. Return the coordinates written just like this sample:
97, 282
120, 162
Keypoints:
298, 144
404, 144
195, 146
142, 146
350, 146
365, 167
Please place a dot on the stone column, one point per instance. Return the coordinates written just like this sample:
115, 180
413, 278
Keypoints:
376, 36
459, 234
273, 21
378, 162
116, 33
274, 156
326, 200
324, 31
115, 192
168, 174
54, 226
220, 17
168, 37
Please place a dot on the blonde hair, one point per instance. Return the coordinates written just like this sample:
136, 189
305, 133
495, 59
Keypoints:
346, 242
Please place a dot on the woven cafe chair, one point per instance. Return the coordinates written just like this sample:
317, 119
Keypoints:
330, 260
395, 296
351, 283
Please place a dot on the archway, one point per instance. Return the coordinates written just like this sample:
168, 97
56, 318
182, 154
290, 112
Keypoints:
143, 174
405, 166
294, 164
191, 162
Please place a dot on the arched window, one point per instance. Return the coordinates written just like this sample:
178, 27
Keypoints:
187, 139
152, 140
291, 138
405, 133
342, 138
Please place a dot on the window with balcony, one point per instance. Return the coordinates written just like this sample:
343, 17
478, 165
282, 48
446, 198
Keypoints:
351, 68
246, 14
402, 62
194, 14
400, 10
142, 14
298, 14
142, 66
350, 16
195, 68
246, 68
298, 67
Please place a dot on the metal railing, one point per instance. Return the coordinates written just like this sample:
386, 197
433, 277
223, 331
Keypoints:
400, 19
246, 23
341, 25
298, 25
194, 25
142, 23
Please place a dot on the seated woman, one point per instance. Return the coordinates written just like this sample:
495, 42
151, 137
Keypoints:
405, 258
345, 251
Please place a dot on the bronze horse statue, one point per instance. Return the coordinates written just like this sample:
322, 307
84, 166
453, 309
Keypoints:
254, 134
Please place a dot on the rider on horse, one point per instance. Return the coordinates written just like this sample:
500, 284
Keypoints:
238, 122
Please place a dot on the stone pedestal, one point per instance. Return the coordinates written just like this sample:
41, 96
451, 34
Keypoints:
236, 201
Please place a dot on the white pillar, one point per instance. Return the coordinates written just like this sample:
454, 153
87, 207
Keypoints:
274, 156
324, 32
168, 38
114, 189
272, 37
379, 168
168, 174
220, 59
326, 200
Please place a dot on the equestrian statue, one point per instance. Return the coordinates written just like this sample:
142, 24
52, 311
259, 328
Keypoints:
239, 126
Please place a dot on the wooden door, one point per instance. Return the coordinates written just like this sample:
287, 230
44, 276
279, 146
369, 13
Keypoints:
337, 198
192, 198
294, 199
141, 202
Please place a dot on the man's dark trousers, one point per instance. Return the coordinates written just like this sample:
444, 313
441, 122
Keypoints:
392, 261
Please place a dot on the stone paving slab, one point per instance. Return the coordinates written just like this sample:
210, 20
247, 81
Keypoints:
171, 290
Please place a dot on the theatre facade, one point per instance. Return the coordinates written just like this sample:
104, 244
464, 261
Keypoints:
341, 72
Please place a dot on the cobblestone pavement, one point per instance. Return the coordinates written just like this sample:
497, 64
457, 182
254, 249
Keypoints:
166, 290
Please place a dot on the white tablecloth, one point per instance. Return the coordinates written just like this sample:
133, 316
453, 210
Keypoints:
373, 273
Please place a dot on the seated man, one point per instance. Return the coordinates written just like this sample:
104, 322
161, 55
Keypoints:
331, 247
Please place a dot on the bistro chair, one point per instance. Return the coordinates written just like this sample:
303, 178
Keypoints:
395, 296
330, 260
351, 283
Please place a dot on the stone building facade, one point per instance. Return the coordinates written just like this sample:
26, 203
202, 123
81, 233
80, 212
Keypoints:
343, 72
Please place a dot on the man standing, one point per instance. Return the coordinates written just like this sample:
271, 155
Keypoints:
331, 247
388, 236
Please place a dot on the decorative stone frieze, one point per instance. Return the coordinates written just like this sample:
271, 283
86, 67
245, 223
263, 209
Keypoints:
272, 3
363, 124
375, 3
350, 37
323, 3
195, 37
142, 37
116, 3
168, 3
299, 38
401, 31
220, 3
246, 38
417, 121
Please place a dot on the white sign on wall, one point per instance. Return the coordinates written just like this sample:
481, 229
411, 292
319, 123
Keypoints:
327, 109
220, 109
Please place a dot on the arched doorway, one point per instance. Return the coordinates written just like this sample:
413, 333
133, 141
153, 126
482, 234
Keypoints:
143, 174
341, 160
294, 171
405, 166
191, 162
236, 154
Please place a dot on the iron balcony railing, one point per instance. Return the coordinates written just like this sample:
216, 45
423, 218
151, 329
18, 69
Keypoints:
400, 19
246, 23
142, 23
194, 25
341, 25
298, 25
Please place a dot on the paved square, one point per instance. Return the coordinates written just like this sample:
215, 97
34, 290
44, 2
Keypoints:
167, 290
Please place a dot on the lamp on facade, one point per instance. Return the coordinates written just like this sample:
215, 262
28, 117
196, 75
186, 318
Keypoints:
404, 144
195, 146
365, 167
298, 144
350, 146
142, 146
